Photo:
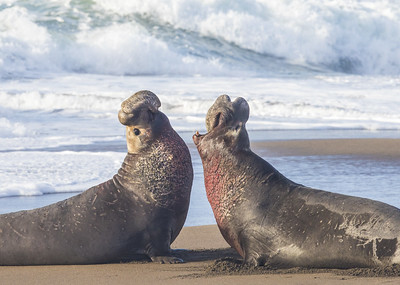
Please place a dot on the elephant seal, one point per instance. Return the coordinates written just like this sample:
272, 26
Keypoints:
270, 219
140, 211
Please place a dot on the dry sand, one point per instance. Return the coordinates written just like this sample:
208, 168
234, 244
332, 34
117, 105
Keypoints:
208, 258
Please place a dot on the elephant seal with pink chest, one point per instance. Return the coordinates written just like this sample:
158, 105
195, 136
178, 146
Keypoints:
140, 211
270, 219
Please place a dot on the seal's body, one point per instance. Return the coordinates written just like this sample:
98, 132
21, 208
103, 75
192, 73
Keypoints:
140, 210
270, 219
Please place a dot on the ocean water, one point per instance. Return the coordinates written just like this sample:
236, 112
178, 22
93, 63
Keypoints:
309, 69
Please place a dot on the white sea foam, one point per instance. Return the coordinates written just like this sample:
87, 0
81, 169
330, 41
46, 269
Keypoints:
10, 129
351, 36
26, 189
43, 172
24, 45
128, 49
199, 37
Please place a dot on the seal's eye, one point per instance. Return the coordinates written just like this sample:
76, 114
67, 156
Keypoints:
136, 131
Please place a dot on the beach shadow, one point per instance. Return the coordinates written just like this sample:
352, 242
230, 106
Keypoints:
206, 254
189, 255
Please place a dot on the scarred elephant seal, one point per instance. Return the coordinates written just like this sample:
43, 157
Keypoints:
270, 219
140, 210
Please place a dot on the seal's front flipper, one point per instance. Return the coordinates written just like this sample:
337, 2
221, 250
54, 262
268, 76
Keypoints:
162, 253
166, 259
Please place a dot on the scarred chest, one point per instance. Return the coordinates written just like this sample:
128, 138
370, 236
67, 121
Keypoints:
224, 184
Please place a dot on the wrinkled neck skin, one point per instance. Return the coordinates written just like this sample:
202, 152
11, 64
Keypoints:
225, 178
160, 174
225, 174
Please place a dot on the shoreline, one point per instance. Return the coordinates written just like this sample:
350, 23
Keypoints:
378, 148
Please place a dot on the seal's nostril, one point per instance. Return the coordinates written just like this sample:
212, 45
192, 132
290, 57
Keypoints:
217, 120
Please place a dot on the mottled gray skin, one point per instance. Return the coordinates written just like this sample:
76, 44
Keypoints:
140, 210
270, 219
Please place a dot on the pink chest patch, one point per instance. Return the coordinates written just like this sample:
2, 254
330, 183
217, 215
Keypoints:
218, 188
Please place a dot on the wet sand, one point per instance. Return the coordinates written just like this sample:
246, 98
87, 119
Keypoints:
372, 148
209, 260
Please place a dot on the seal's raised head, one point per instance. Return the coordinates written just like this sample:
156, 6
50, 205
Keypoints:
143, 121
225, 123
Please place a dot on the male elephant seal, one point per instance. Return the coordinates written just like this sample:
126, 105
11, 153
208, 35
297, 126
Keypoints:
140, 210
269, 219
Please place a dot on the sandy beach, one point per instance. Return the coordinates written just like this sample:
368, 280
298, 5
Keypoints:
369, 148
202, 247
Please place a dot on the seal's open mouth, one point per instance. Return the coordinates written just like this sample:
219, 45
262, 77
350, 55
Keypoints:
224, 113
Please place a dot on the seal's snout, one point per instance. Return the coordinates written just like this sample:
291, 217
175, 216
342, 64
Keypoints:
241, 110
124, 118
224, 112
139, 108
